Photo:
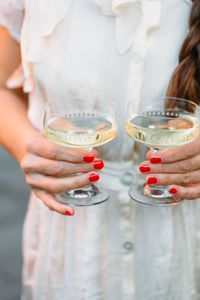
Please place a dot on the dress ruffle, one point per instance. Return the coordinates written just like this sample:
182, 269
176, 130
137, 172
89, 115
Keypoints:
41, 20
134, 19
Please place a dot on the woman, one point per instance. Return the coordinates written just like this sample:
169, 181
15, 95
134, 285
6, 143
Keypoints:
114, 49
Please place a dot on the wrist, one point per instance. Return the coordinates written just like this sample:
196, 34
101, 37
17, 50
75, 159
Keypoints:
20, 137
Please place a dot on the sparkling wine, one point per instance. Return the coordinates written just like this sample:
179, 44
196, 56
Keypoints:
80, 130
160, 130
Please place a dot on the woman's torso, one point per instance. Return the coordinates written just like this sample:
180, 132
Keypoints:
80, 53
80, 56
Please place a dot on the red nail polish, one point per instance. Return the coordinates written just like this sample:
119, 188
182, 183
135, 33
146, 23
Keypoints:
152, 180
173, 190
144, 168
98, 164
69, 213
88, 158
155, 160
94, 177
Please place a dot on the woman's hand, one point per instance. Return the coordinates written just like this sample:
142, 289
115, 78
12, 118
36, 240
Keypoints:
177, 167
51, 169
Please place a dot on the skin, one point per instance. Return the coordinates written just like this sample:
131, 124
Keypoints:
48, 168
179, 168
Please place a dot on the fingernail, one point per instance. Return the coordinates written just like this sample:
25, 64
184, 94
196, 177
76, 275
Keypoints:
94, 177
98, 164
155, 159
172, 190
88, 158
144, 168
151, 180
69, 212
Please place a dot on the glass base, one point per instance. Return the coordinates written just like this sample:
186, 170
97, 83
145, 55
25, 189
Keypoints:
155, 196
87, 196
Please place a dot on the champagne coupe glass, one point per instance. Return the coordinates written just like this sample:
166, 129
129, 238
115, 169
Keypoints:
158, 123
81, 123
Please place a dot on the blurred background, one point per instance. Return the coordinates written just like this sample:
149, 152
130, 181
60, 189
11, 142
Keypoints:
13, 203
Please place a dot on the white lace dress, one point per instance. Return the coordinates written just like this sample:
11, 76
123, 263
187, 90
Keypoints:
117, 250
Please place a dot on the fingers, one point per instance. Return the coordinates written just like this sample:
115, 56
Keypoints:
188, 193
49, 200
36, 164
182, 166
16, 80
179, 179
41, 146
173, 154
58, 185
148, 154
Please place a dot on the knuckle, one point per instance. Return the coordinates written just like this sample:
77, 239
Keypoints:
188, 194
174, 156
29, 145
57, 167
67, 186
55, 188
29, 180
163, 179
30, 163
185, 166
76, 182
195, 194
188, 150
54, 152
181, 196
195, 146
167, 179
181, 193
38, 195
85, 168
162, 168
25, 164
51, 207
73, 155
186, 178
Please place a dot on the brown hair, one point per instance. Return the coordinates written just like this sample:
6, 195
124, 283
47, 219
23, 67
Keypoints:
185, 81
